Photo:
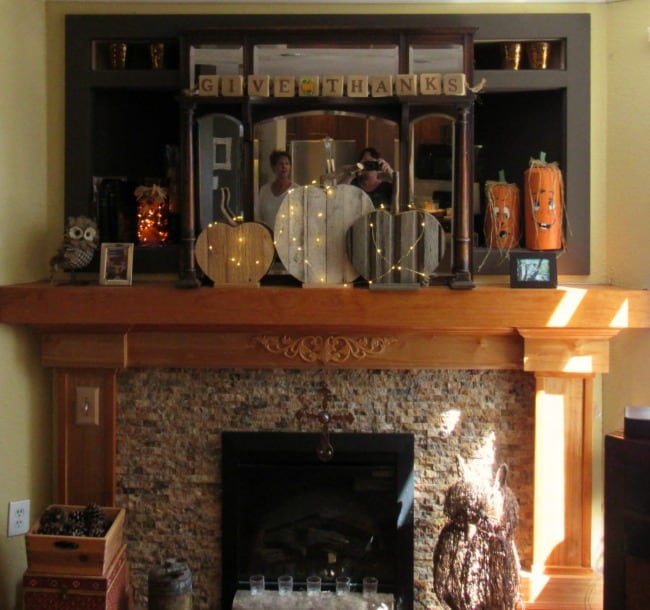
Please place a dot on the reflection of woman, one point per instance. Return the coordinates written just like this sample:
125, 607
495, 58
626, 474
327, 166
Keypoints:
272, 193
380, 191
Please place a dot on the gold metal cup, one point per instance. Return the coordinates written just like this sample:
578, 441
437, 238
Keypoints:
157, 53
117, 55
538, 54
512, 52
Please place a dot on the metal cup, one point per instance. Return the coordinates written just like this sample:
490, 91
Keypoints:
538, 54
512, 52
117, 55
157, 54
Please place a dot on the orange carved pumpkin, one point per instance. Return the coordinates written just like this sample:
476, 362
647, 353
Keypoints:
543, 205
502, 225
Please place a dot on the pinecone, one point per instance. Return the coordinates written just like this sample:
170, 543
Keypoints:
76, 524
96, 523
52, 522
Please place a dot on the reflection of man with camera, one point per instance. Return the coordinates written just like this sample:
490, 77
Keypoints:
366, 177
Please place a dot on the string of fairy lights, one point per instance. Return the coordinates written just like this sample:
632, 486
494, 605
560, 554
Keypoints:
302, 248
397, 266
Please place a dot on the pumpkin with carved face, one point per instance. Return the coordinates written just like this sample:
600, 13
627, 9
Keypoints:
543, 205
502, 215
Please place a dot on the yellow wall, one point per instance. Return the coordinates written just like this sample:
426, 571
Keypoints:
628, 195
31, 204
27, 218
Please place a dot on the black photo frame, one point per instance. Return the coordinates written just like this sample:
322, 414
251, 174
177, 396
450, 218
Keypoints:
533, 270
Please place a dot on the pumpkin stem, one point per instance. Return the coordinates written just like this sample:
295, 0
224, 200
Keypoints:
542, 156
502, 175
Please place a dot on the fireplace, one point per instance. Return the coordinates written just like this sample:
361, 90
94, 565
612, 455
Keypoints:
286, 510
494, 374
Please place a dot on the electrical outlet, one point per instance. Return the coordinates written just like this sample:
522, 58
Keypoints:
18, 518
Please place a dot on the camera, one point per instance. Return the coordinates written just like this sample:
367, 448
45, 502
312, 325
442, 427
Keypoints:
371, 166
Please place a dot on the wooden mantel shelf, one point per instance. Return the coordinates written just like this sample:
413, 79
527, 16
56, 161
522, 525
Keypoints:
157, 324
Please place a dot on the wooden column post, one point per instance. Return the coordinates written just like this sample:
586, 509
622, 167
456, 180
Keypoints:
564, 362
86, 451
463, 210
188, 276
563, 474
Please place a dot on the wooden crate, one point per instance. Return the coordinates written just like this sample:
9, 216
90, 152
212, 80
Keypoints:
67, 592
75, 555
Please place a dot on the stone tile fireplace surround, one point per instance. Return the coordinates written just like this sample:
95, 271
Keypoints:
168, 449
493, 374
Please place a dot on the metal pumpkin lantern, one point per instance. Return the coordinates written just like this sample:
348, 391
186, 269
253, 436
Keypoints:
543, 205
502, 226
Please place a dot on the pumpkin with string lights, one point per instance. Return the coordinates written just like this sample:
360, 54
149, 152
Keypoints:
234, 252
310, 232
402, 249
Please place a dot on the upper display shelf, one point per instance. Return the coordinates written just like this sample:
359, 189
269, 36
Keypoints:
135, 54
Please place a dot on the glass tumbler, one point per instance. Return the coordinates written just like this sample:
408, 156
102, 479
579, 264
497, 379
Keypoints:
342, 585
370, 584
313, 585
285, 584
256, 582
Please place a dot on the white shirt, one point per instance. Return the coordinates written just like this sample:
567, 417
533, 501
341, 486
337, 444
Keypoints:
268, 204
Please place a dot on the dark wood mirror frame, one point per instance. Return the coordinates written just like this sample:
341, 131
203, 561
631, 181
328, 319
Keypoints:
401, 110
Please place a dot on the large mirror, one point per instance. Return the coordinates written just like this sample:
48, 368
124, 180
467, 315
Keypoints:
431, 166
324, 145
298, 60
220, 146
431, 173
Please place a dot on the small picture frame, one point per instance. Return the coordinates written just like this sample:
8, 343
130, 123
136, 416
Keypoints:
533, 270
116, 264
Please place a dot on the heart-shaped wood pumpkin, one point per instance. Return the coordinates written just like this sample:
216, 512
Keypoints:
310, 230
404, 248
240, 254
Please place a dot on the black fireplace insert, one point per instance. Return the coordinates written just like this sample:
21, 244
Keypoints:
285, 511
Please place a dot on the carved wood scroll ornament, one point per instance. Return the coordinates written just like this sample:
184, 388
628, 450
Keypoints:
329, 349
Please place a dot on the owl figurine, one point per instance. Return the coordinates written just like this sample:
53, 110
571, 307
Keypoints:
80, 241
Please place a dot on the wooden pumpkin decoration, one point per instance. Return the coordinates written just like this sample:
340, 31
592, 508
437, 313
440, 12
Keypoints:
502, 226
234, 254
399, 249
310, 230
543, 205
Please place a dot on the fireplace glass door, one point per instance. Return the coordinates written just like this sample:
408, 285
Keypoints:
287, 512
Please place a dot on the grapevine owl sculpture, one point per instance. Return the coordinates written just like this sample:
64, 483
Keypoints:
80, 241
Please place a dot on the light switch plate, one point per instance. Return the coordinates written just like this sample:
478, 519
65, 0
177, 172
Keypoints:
87, 406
